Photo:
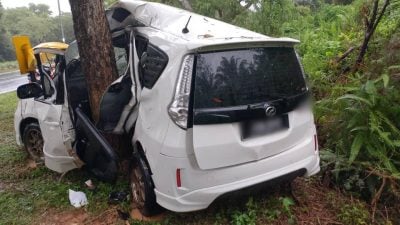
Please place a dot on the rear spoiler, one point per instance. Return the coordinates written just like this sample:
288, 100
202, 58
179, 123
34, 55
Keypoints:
240, 44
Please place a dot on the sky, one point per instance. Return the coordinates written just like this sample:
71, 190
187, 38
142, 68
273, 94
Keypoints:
64, 4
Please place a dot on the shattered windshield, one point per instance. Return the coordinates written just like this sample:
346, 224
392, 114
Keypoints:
248, 76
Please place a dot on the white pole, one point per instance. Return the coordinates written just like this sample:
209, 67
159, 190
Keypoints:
61, 24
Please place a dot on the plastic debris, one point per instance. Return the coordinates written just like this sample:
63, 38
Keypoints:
90, 185
77, 198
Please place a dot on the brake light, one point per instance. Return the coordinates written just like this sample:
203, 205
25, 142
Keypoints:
315, 142
179, 107
178, 178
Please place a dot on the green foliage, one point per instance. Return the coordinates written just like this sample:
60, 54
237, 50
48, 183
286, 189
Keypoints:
287, 204
8, 66
270, 17
37, 22
6, 51
108, 3
39, 9
247, 217
354, 214
369, 138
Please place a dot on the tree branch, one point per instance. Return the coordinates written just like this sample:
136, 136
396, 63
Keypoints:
346, 54
385, 5
370, 28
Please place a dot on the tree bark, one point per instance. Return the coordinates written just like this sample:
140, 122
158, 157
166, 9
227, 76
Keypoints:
95, 48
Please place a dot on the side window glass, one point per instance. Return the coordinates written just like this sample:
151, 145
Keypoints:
152, 63
141, 45
121, 59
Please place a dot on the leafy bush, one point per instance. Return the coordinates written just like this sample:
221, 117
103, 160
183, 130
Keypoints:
248, 217
364, 135
8, 66
354, 214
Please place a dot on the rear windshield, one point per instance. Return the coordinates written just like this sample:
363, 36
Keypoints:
248, 76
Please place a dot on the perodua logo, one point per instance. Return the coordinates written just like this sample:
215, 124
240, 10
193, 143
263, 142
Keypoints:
270, 110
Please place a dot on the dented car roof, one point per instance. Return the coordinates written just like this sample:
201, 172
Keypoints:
203, 30
50, 47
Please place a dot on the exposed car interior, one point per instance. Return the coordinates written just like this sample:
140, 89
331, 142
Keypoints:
89, 142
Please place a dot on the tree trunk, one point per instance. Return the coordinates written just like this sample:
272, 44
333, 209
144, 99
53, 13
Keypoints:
95, 48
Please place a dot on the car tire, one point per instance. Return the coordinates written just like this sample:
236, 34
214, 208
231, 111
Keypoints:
142, 188
33, 142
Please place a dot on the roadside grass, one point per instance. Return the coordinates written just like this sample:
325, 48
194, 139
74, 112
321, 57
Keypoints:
26, 190
8, 66
32, 194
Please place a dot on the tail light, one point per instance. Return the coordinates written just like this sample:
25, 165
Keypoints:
179, 107
178, 178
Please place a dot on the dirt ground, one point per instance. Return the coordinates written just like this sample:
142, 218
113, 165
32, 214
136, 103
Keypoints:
314, 204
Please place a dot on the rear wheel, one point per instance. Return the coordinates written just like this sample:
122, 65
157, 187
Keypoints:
33, 142
142, 188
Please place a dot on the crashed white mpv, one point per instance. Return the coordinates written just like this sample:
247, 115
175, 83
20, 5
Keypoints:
205, 107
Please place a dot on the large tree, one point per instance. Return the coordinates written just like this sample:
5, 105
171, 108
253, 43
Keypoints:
95, 48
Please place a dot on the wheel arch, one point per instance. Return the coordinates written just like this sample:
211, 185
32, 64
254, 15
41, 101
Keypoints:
138, 149
25, 122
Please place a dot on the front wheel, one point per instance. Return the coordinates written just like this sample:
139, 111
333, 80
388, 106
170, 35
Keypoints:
142, 188
33, 142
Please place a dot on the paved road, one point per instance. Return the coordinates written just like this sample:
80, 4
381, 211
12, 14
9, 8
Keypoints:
10, 81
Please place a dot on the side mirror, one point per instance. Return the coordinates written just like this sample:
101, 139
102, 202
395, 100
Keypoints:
31, 90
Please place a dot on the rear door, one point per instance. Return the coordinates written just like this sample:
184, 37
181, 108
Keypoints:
244, 105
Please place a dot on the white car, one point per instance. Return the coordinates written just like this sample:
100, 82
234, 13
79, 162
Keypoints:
206, 108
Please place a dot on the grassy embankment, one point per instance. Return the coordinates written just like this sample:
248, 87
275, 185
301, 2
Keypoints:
8, 66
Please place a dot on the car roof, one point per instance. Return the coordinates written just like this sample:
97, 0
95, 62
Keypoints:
203, 31
50, 47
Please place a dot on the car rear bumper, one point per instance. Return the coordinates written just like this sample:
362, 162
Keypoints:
220, 181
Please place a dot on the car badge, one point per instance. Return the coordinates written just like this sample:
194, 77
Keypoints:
270, 110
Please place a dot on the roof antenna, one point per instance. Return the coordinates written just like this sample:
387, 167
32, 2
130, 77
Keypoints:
186, 30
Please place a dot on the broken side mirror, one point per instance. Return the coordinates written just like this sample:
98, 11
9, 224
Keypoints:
31, 90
